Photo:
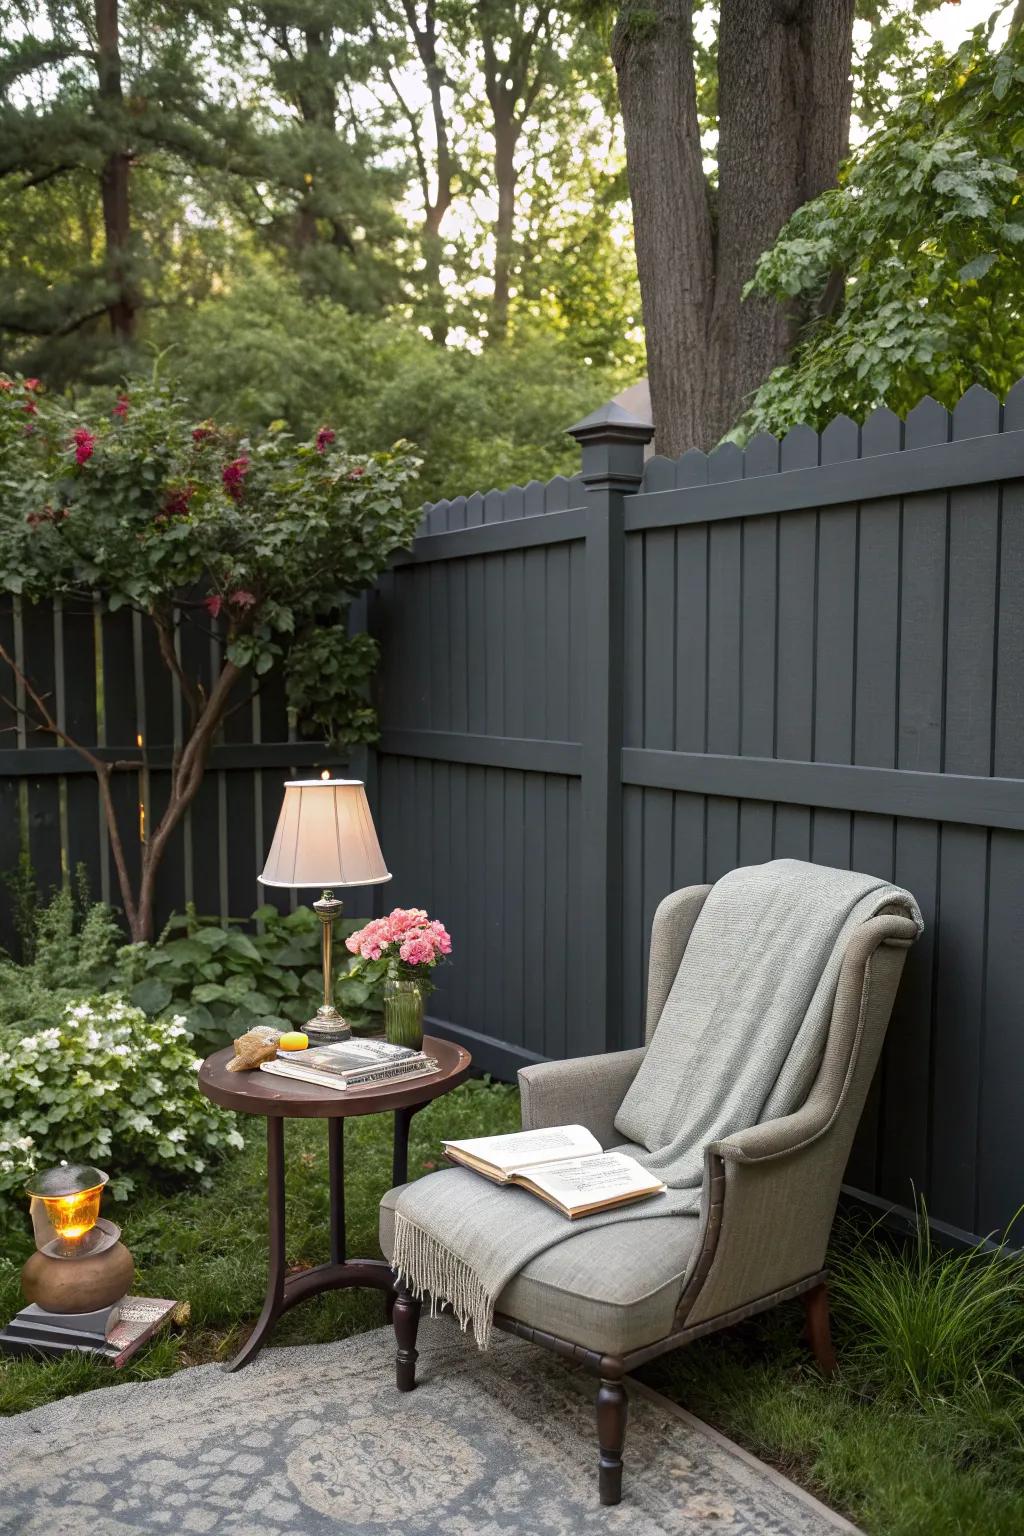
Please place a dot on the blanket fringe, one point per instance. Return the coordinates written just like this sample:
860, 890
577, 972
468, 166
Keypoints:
429, 1269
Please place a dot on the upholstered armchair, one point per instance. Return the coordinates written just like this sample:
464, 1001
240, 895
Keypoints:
614, 1297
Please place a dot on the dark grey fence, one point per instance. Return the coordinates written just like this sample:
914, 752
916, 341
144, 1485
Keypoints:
596, 690
599, 690
106, 685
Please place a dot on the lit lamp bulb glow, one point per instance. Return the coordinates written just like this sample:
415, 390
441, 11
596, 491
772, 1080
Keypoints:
74, 1215
66, 1209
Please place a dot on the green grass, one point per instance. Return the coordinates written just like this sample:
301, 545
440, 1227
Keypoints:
210, 1248
922, 1434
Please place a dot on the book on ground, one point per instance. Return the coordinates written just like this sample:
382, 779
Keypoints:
351, 1064
139, 1318
563, 1164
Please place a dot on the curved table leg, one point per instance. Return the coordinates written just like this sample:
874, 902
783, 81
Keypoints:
400, 1154
273, 1303
336, 1171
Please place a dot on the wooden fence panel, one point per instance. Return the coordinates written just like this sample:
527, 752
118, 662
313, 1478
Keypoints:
869, 632
596, 690
101, 677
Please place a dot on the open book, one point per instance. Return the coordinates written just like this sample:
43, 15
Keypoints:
563, 1164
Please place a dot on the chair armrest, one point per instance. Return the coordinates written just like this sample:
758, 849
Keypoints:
773, 1139
770, 1192
586, 1090
764, 1226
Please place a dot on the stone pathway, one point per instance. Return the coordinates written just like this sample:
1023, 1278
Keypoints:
316, 1441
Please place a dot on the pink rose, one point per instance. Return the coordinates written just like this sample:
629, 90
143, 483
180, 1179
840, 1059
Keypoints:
416, 950
233, 476
121, 408
176, 503
85, 443
213, 604
324, 438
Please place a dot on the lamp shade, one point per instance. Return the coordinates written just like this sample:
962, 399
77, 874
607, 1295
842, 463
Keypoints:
325, 837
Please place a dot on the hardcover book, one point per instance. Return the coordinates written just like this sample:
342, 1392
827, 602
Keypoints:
139, 1319
562, 1164
351, 1064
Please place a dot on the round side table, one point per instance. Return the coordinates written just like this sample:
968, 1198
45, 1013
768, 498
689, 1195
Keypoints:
281, 1098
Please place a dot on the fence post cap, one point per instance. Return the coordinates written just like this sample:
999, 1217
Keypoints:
612, 423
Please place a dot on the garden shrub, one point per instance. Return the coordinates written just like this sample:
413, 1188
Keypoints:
110, 1086
70, 945
223, 981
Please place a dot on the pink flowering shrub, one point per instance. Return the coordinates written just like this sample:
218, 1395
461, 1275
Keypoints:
406, 943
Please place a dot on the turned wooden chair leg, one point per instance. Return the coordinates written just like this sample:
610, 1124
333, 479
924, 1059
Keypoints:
612, 1408
819, 1334
406, 1320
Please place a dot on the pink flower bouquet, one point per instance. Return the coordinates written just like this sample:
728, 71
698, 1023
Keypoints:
406, 943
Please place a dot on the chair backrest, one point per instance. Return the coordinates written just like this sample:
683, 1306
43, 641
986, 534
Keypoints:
856, 1031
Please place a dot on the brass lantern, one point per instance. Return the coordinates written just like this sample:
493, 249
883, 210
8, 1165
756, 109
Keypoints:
79, 1275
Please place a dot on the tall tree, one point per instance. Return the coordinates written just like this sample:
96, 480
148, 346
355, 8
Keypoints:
330, 195
98, 102
783, 112
408, 31
123, 303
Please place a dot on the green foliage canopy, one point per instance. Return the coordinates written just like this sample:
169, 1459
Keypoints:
263, 351
926, 230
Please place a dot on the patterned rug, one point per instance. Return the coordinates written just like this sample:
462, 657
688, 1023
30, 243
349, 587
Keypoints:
316, 1441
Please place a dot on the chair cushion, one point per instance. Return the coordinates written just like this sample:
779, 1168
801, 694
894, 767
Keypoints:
611, 1288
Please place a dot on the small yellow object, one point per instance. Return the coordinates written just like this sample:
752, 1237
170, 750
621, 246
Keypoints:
294, 1041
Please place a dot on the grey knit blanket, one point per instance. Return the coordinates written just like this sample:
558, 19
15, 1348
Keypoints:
739, 1041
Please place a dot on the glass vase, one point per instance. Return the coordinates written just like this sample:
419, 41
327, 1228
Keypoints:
403, 1012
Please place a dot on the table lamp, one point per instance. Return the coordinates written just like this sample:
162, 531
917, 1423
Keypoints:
325, 837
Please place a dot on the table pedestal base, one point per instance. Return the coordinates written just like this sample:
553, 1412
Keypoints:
286, 1291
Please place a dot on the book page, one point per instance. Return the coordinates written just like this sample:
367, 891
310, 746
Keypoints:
525, 1149
584, 1181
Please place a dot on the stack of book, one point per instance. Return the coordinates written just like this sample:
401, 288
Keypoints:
351, 1064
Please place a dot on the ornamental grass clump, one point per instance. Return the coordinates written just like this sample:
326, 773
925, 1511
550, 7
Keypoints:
109, 1086
930, 1325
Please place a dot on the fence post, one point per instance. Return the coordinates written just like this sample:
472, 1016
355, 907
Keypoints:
612, 443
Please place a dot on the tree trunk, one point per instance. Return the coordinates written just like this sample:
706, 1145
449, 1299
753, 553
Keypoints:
652, 48
318, 105
784, 95
783, 118
437, 202
185, 782
115, 174
506, 137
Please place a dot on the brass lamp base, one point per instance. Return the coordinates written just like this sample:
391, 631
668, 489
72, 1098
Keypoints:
327, 1026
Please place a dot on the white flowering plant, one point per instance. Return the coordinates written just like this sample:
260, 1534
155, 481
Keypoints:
107, 1085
